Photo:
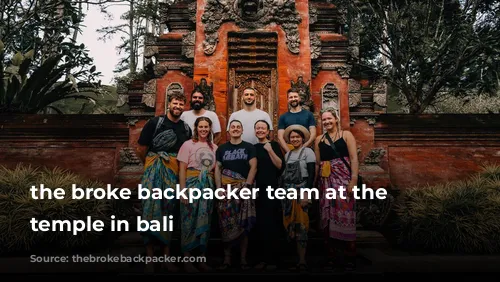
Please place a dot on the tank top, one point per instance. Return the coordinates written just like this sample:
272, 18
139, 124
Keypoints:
326, 152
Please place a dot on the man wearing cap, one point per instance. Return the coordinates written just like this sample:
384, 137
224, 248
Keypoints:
296, 115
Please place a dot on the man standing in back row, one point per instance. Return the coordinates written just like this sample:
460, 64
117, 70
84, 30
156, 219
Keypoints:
249, 115
296, 115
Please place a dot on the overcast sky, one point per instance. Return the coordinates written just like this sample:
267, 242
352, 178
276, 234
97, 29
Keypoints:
104, 53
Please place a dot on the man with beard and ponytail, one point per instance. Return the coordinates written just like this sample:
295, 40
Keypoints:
159, 144
197, 105
296, 115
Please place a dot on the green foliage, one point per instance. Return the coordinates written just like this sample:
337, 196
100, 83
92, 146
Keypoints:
427, 49
24, 92
459, 217
17, 207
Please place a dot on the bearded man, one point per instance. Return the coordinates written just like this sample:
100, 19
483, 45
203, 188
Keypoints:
198, 104
159, 143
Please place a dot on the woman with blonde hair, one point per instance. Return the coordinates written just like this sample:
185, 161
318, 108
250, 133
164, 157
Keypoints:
196, 171
336, 154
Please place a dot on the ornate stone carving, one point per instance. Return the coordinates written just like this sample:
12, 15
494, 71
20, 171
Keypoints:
304, 91
192, 11
373, 213
245, 76
188, 42
251, 14
374, 156
313, 14
315, 41
128, 157
354, 99
371, 120
207, 91
330, 96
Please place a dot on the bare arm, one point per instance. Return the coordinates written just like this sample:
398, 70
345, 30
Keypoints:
312, 131
353, 156
253, 170
218, 175
274, 158
318, 159
281, 140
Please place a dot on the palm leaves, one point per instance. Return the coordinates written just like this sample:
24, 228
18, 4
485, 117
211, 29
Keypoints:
31, 93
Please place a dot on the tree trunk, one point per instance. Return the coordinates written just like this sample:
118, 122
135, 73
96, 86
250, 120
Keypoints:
132, 58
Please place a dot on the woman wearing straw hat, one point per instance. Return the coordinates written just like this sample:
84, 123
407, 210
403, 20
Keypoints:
336, 153
300, 167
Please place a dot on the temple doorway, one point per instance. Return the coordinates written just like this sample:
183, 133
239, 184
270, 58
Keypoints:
252, 62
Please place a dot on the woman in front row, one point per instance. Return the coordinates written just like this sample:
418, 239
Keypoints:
196, 171
337, 157
300, 171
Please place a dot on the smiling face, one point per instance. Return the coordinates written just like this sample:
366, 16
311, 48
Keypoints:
176, 107
235, 129
203, 129
296, 140
293, 99
261, 130
328, 120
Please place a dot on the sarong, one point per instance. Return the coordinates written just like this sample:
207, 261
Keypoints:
236, 216
295, 217
161, 170
338, 216
196, 216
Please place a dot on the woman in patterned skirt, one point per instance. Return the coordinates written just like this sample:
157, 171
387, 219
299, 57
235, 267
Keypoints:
196, 171
337, 168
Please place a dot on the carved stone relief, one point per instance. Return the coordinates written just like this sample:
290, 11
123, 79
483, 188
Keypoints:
374, 156
313, 14
149, 96
188, 42
330, 96
315, 41
251, 14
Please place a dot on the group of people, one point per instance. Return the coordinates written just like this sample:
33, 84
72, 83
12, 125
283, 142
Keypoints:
185, 148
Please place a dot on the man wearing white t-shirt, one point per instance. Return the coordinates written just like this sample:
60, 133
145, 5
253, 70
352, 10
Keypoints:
249, 115
198, 110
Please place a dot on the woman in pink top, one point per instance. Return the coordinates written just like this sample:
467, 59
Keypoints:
196, 171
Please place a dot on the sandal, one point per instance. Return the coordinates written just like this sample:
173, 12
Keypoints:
224, 267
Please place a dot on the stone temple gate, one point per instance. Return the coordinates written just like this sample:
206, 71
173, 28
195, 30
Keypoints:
272, 45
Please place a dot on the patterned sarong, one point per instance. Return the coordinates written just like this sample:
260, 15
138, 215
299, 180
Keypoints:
295, 217
161, 170
236, 216
196, 216
338, 216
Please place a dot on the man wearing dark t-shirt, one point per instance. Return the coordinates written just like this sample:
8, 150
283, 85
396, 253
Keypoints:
296, 115
236, 166
159, 144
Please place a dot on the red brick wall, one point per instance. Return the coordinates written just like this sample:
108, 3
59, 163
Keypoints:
427, 149
88, 145
162, 86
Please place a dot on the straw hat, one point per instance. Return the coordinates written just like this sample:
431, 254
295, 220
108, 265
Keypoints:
298, 127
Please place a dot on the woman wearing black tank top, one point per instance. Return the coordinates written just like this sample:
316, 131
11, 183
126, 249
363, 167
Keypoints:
338, 216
